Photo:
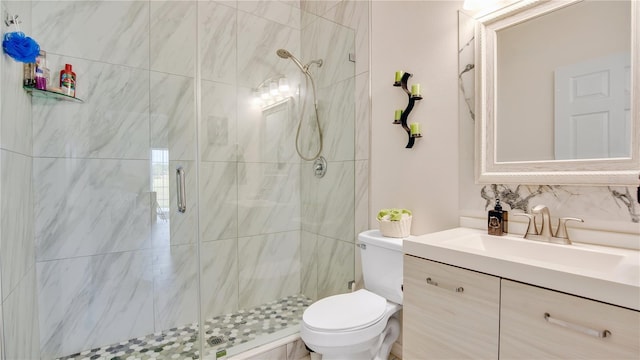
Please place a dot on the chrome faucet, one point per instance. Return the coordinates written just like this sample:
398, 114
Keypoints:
546, 233
545, 228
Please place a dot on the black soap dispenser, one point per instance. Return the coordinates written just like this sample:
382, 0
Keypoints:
497, 220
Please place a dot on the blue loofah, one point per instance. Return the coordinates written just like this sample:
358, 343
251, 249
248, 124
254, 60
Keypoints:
20, 47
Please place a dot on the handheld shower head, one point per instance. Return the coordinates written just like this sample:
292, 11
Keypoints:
283, 53
287, 55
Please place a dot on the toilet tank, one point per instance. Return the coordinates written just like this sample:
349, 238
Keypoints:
382, 264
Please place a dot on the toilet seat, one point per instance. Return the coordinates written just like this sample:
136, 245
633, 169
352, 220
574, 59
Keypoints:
345, 312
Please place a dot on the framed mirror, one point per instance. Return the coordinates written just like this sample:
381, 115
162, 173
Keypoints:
557, 93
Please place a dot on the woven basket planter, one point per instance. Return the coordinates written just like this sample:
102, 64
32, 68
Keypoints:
396, 229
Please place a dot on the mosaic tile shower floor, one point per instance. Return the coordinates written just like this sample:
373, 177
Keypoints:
221, 332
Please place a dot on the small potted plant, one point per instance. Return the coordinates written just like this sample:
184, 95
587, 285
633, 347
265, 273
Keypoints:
395, 222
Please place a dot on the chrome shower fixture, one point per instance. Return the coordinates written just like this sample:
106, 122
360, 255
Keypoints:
285, 54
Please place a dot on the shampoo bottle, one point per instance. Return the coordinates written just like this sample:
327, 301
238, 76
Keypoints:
496, 220
68, 80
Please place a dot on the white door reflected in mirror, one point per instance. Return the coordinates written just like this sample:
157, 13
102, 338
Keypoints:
571, 42
531, 57
592, 109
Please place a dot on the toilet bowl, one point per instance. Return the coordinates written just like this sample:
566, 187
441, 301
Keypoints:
354, 326
360, 325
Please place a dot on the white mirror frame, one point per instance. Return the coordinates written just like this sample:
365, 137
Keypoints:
620, 171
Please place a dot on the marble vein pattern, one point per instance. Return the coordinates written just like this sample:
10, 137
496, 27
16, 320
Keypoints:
309, 140
173, 37
217, 34
269, 135
20, 320
15, 124
106, 299
258, 40
625, 199
599, 204
318, 7
336, 189
90, 206
361, 204
172, 115
466, 62
219, 190
354, 15
333, 43
277, 11
463, 83
112, 123
219, 277
335, 266
175, 286
309, 264
182, 225
269, 267
513, 197
309, 202
268, 198
337, 119
168, 225
362, 116
218, 131
116, 32
16, 227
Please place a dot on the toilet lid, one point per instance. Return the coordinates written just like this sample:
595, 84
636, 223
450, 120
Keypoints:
346, 311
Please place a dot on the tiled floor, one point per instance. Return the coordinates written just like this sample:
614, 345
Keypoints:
220, 333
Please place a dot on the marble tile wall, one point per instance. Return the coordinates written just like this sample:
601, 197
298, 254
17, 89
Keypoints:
609, 207
250, 230
19, 301
126, 273
332, 213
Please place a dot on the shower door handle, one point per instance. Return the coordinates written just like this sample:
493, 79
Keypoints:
182, 200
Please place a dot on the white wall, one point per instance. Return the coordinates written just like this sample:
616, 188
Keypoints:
419, 37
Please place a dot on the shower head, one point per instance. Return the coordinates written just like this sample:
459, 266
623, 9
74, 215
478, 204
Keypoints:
285, 54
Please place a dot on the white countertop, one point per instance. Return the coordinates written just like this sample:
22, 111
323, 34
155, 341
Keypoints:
618, 285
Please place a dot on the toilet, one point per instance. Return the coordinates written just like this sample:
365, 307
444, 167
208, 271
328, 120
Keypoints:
359, 325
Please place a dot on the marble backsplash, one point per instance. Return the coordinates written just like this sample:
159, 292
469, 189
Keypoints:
612, 207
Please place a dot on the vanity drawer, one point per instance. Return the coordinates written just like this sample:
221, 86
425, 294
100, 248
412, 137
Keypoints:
449, 312
540, 323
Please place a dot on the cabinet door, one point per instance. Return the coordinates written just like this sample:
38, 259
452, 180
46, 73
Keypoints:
449, 313
542, 324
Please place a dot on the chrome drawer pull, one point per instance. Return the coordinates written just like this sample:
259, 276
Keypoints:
576, 327
431, 282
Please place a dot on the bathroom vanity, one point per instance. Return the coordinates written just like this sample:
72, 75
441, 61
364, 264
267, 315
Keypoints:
471, 295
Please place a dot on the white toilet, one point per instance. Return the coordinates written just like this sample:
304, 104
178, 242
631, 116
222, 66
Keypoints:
358, 325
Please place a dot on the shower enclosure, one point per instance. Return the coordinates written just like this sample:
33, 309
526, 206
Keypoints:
169, 212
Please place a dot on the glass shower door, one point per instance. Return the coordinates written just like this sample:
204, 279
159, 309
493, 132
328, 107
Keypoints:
116, 259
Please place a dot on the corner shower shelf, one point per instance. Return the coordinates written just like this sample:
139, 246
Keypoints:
51, 95
405, 114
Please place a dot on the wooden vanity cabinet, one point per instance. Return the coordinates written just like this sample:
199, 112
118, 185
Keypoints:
449, 312
537, 323
454, 313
